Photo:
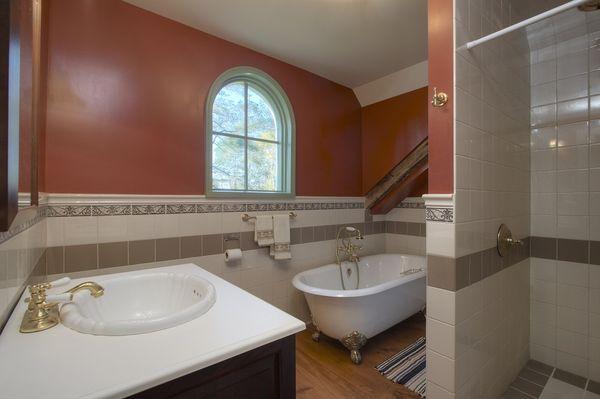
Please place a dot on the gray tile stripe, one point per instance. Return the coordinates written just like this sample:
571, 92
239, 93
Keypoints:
411, 205
456, 273
406, 228
178, 208
535, 375
93, 256
527, 387
578, 251
570, 378
540, 367
593, 387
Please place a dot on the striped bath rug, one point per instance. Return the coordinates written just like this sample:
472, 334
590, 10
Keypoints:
407, 367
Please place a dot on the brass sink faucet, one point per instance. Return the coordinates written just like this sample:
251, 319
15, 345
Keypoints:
42, 309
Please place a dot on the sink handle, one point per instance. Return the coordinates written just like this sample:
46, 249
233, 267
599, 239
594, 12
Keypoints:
60, 282
59, 298
39, 290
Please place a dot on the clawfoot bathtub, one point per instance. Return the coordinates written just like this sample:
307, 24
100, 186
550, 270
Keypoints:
391, 288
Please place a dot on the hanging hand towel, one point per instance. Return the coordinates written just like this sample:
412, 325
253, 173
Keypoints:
280, 250
263, 230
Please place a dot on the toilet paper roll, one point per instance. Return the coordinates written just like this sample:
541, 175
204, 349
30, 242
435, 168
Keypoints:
232, 255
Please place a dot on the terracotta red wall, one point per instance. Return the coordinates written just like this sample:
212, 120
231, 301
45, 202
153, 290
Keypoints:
441, 131
125, 109
391, 129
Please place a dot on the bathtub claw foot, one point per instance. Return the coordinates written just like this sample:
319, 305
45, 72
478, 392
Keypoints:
354, 342
355, 356
316, 336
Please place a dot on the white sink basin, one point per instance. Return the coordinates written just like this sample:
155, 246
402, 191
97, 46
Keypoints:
139, 304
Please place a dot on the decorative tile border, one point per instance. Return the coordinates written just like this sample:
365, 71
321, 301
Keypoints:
439, 215
40, 214
439, 207
170, 208
69, 210
159, 209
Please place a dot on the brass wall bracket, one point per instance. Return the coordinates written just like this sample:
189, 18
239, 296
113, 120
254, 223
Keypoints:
439, 99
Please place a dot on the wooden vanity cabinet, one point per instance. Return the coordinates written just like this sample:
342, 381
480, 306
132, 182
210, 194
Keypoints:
267, 372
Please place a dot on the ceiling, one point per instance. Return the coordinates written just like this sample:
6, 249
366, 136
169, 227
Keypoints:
350, 42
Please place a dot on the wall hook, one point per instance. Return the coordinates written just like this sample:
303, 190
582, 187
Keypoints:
439, 99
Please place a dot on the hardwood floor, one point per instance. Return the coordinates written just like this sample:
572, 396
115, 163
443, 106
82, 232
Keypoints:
324, 369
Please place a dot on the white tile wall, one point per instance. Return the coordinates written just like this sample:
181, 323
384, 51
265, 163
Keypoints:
18, 257
478, 337
566, 191
492, 186
406, 244
564, 160
564, 314
441, 239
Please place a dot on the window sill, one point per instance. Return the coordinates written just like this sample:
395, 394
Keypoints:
243, 195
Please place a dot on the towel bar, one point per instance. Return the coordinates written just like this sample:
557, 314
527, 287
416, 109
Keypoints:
247, 218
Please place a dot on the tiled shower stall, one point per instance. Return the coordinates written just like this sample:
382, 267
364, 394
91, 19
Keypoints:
526, 154
565, 186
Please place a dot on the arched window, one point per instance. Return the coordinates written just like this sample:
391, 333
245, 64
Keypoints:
249, 136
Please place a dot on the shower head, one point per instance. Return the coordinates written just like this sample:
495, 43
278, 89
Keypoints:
351, 229
592, 5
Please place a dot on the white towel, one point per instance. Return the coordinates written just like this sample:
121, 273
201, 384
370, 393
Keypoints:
263, 230
280, 250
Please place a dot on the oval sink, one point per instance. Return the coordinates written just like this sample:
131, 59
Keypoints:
139, 304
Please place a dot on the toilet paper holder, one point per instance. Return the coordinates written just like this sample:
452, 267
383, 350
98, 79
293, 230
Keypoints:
230, 237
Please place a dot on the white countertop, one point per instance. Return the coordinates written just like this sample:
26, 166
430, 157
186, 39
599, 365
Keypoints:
62, 363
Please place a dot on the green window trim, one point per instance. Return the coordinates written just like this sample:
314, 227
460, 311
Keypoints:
277, 98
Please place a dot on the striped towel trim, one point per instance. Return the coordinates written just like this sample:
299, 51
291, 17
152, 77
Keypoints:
407, 367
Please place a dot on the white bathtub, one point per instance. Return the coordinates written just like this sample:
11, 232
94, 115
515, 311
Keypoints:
390, 291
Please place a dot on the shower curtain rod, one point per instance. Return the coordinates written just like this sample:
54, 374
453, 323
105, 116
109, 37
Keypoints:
529, 21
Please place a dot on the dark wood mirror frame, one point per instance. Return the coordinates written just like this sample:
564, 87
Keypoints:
21, 25
9, 111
